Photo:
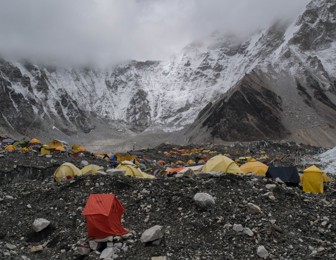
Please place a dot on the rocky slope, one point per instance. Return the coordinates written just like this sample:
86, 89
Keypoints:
290, 61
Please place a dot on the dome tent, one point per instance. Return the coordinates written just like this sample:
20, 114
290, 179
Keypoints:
258, 168
66, 171
221, 163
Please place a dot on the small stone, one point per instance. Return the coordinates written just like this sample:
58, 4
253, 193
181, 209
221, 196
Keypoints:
248, 232
63, 250
48, 156
127, 236
84, 163
10, 246
29, 206
107, 253
118, 245
270, 186
277, 228
271, 197
130, 241
159, 258
238, 227
117, 238
252, 208
93, 245
204, 200
262, 252
35, 249
84, 250
9, 197
227, 226
278, 180
40, 224
152, 234
105, 239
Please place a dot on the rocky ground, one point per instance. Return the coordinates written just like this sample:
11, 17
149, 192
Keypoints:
290, 225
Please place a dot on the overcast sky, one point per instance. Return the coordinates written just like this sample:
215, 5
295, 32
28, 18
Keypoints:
113, 30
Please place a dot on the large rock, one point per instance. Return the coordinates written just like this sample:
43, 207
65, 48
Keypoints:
107, 253
262, 252
40, 224
204, 200
152, 234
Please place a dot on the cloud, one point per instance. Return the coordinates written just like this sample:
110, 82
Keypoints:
108, 31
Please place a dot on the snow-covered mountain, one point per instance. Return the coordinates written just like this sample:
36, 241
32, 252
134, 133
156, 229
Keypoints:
290, 92
295, 63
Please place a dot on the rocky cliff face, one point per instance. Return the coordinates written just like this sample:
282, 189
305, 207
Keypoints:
289, 94
298, 58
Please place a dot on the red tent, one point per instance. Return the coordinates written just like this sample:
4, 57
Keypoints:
103, 216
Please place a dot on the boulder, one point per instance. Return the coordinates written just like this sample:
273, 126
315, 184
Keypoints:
107, 253
204, 200
40, 224
262, 252
152, 234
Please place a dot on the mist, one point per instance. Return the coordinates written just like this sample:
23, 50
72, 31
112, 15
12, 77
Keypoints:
109, 31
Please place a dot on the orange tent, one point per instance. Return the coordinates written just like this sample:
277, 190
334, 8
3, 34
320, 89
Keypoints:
103, 216
174, 170
161, 163
179, 163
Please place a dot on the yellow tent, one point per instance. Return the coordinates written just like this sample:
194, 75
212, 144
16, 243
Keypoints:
35, 141
25, 149
91, 169
66, 171
10, 148
221, 163
255, 167
191, 162
125, 157
57, 145
134, 172
78, 149
45, 151
312, 180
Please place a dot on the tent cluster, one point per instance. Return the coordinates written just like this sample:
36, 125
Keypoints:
68, 171
36, 145
312, 179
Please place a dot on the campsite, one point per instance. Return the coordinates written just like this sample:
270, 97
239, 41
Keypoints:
168, 130
264, 195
